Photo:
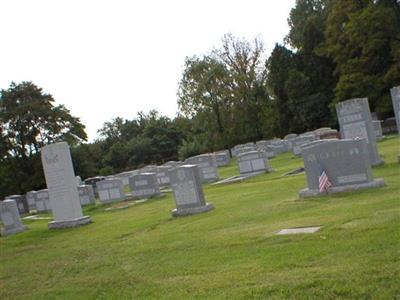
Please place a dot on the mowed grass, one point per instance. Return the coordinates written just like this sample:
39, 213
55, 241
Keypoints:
232, 252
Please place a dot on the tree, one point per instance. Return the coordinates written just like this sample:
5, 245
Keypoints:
363, 38
29, 120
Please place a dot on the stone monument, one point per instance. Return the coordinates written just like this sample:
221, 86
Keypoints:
61, 183
43, 201
207, 166
22, 203
86, 194
110, 190
355, 122
223, 158
253, 162
31, 199
188, 191
162, 176
10, 218
144, 185
345, 162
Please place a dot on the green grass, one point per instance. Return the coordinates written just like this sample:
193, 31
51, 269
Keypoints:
231, 252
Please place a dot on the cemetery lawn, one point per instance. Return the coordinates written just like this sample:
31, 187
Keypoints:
232, 252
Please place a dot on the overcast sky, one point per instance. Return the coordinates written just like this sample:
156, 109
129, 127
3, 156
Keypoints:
104, 59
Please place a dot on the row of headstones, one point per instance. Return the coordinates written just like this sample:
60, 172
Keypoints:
347, 162
64, 196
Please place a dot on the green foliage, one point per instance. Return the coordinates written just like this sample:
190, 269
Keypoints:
363, 39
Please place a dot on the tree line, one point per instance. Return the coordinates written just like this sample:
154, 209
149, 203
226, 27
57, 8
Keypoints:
335, 50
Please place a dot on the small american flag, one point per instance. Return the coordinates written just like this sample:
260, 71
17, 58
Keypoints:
324, 182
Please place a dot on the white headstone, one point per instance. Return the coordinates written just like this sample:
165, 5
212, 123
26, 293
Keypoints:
61, 183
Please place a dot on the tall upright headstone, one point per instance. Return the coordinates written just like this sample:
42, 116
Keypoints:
395, 93
188, 191
61, 183
345, 163
355, 122
10, 218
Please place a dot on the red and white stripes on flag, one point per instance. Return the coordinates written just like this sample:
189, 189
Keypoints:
324, 182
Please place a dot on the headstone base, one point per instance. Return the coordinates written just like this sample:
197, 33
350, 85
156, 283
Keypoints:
69, 223
306, 193
5, 232
192, 211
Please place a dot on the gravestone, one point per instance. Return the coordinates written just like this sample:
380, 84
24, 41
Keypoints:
86, 194
61, 183
270, 151
377, 129
124, 176
207, 166
43, 201
188, 191
223, 158
148, 169
162, 175
110, 190
355, 122
253, 162
173, 164
144, 185
300, 141
31, 199
345, 162
78, 180
395, 93
22, 204
10, 218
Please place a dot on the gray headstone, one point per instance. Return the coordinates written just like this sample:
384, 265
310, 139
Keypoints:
144, 185
377, 129
78, 180
110, 190
86, 194
252, 162
22, 203
162, 175
31, 199
188, 191
61, 183
173, 163
43, 201
10, 218
207, 166
355, 122
223, 158
395, 93
300, 141
345, 162
148, 169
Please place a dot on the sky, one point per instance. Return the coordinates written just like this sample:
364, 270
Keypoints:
114, 58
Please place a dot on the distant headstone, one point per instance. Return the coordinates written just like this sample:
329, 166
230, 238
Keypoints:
86, 194
355, 122
22, 204
173, 164
300, 141
162, 176
345, 162
207, 166
124, 176
61, 183
395, 93
148, 169
270, 151
31, 199
43, 201
223, 158
10, 218
110, 190
188, 191
252, 162
144, 185
377, 129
